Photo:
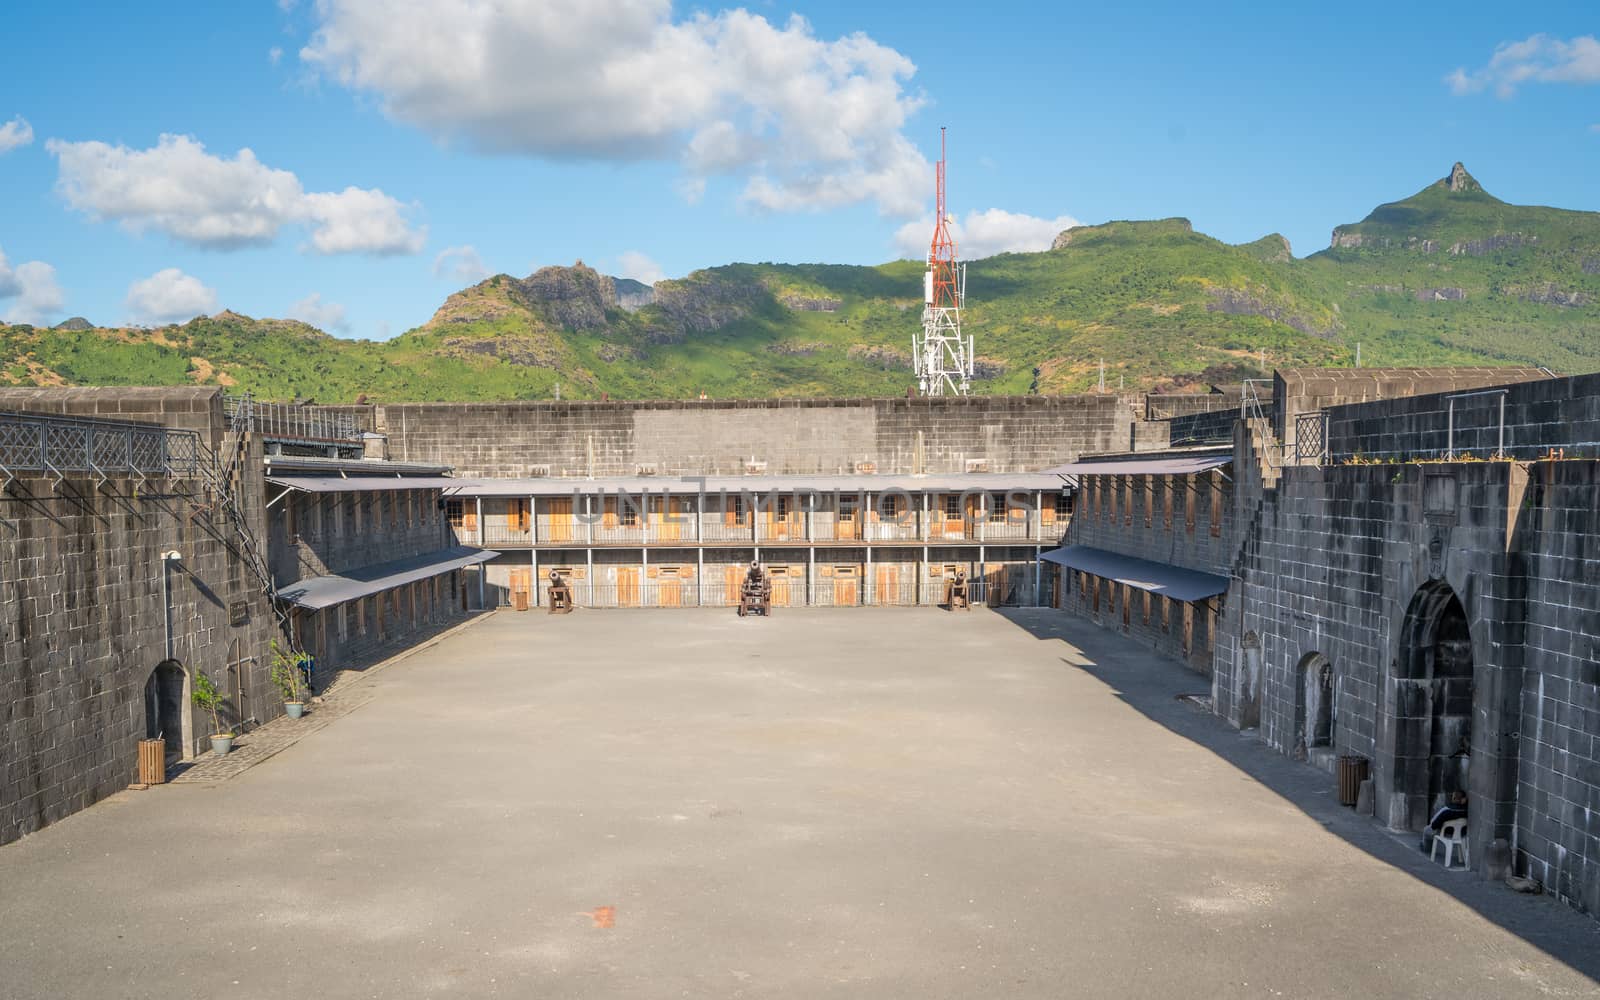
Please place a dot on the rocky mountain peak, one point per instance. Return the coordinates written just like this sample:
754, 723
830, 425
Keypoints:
1460, 181
575, 297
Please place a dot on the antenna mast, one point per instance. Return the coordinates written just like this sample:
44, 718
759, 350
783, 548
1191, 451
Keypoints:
941, 356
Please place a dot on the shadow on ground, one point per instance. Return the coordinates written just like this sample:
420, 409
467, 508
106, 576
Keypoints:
1154, 686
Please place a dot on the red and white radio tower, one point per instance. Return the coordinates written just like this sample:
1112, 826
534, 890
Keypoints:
941, 356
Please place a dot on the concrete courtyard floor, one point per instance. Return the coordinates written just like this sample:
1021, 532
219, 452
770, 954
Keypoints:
845, 803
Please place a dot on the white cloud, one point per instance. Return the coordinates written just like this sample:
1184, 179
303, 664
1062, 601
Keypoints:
274, 54
806, 123
33, 285
1536, 59
15, 134
169, 295
635, 265
460, 264
177, 188
320, 314
984, 234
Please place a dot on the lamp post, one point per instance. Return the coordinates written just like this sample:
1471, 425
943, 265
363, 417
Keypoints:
168, 558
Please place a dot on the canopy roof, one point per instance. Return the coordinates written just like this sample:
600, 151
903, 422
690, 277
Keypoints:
994, 482
365, 484
1158, 578
325, 591
1160, 465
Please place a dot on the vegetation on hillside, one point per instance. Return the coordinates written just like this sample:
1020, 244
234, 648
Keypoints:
1451, 275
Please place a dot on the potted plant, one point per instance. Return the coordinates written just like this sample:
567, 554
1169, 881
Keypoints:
288, 673
208, 696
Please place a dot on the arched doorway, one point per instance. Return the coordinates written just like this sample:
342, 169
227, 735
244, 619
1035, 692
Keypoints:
1433, 701
163, 707
1313, 706
1249, 681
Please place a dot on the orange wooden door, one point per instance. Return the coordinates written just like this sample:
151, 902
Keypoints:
886, 584
994, 584
733, 582
783, 522
520, 587
846, 586
972, 515
780, 579
663, 526
627, 586
847, 524
561, 521
669, 588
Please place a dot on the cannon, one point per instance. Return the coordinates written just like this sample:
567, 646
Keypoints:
560, 594
958, 592
755, 594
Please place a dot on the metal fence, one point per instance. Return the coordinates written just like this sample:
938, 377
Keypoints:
794, 590
30, 442
290, 421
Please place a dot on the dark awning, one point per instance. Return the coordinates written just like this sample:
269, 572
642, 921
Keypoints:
326, 591
365, 484
1168, 465
1158, 578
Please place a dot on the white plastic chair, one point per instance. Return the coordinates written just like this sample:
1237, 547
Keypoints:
1452, 835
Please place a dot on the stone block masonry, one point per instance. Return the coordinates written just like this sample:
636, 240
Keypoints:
83, 623
1347, 568
731, 437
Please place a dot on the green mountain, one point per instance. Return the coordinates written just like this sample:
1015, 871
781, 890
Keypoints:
1451, 275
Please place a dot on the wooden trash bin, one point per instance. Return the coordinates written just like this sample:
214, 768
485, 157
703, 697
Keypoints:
519, 600
152, 762
1351, 771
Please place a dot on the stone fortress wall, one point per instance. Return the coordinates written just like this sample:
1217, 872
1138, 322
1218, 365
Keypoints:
776, 437
87, 604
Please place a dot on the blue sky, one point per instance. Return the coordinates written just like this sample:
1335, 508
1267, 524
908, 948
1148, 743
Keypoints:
397, 152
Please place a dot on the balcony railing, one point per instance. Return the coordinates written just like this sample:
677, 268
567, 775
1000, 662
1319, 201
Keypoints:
290, 421
715, 528
67, 444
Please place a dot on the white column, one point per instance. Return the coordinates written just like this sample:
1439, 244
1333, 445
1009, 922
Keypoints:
644, 570
983, 571
588, 556
483, 571
588, 510
700, 573
922, 581
811, 575
1038, 599
867, 595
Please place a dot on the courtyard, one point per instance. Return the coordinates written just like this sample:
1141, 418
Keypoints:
830, 803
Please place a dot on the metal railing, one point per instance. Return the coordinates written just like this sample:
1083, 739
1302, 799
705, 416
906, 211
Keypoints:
30, 442
689, 529
791, 588
289, 421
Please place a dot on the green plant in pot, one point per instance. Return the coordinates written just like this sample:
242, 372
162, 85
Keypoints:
288, 673
208, 696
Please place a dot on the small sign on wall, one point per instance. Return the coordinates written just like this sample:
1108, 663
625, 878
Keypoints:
239, 613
